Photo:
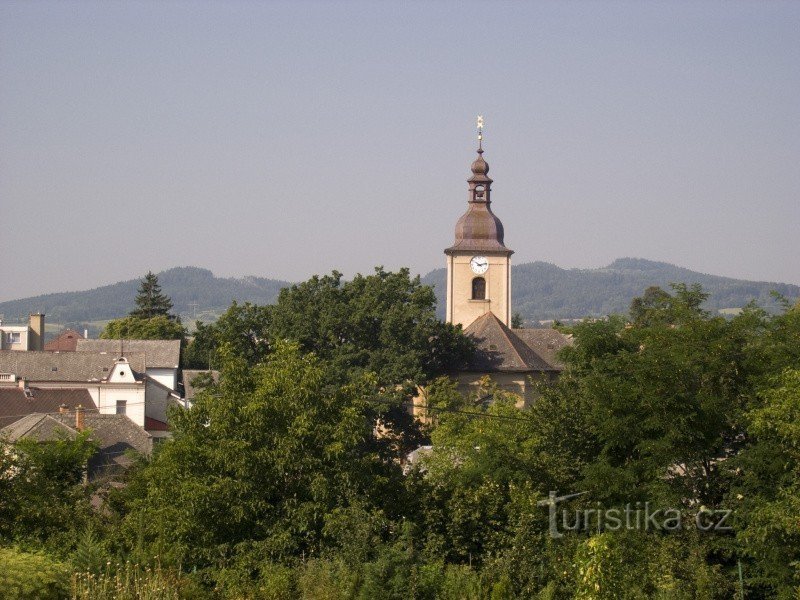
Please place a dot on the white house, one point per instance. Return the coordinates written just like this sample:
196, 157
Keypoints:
161, 357
116, 384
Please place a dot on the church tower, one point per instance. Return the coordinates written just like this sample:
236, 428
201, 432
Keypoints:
478, 263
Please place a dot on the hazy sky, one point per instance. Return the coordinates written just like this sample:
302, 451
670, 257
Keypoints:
287, 139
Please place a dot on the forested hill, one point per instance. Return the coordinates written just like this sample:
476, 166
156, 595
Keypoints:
539, 291
542, 291
193, 290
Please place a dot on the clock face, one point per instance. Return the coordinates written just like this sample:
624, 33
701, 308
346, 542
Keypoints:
479, 264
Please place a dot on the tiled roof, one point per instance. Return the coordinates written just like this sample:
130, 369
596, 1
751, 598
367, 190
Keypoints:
65, 342
545, 342
189, 375
64, 366
498, 348
158, 354
14, 403
116, 435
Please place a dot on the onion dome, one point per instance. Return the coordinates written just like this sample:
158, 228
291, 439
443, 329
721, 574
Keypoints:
479, 229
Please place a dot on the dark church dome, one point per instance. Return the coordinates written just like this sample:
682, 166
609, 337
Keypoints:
480, 166
479, 229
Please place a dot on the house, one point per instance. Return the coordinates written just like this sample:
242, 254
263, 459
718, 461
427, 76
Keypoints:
23, 337
118, 438
66, 341
17, 402
162, 357
115, 384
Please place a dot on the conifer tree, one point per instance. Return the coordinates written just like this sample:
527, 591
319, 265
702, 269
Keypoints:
150, 302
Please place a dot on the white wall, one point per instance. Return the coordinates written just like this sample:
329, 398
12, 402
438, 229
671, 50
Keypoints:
167, 377
133, 394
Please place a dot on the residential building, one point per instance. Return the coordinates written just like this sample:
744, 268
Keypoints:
162, 357
19, 402
115, 384
66, 341
118, 438
23, 337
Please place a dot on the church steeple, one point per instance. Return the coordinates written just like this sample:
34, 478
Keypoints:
479, 229
478, 262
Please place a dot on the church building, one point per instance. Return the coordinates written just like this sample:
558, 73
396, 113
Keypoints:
479, 299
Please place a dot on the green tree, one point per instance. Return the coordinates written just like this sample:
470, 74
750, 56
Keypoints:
665, 395
150, 302
135, 328
243, 328
257, 465
384, 323
41, 484
766, 490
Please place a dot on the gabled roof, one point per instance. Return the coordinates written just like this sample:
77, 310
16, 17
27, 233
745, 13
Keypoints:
38, 427
158, 354
116, 435
189, 375
15, 404
499, 348
65, 342
64, 366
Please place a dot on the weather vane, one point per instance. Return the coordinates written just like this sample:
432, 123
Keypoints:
480, 131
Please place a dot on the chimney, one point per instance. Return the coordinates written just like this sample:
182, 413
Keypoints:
79, 417
63, 409
36, 334
21, 384
86, 334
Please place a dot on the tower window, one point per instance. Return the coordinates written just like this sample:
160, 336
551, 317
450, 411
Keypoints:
479, 288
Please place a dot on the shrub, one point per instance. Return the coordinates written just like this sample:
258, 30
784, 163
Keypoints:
32, 575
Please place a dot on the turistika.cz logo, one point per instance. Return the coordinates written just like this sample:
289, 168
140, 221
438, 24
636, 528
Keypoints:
638, 515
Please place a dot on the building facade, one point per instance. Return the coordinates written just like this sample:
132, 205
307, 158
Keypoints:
23, 337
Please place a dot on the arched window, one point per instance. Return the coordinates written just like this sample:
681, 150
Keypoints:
479, 288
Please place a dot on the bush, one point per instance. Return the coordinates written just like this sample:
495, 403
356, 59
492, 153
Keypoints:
32, 575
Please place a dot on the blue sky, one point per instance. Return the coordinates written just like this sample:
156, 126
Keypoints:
287, 139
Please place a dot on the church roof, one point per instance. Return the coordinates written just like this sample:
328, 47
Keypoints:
501, 349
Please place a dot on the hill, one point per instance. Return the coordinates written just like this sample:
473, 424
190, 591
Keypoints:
193, 291
542, 291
